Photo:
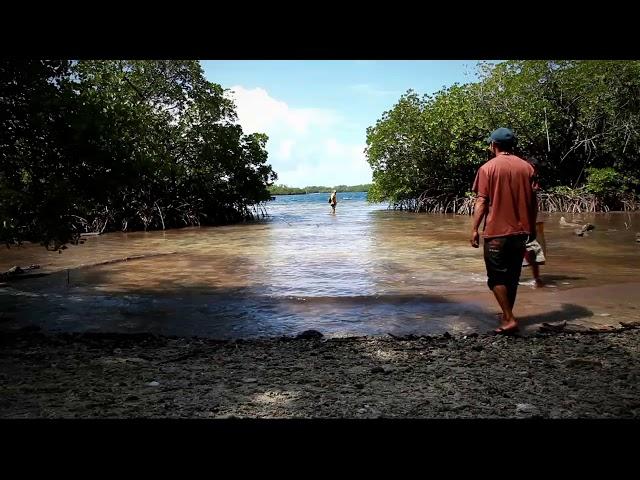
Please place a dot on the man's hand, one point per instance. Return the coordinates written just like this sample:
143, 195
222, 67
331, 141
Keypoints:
479, 212
475, 239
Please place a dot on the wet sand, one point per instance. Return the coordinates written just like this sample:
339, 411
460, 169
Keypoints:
587, 306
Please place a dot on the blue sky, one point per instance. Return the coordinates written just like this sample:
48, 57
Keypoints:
316, 112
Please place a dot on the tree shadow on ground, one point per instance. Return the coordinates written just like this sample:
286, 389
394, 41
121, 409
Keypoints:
199, 309
568, 312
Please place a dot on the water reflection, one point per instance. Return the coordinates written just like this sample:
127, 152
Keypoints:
363, 270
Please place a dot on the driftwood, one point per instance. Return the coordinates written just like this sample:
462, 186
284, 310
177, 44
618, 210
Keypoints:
581, 231
564, 223
15, 271
565, 328
585, 228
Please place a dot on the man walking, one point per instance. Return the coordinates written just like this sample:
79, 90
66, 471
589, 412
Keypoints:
505, 199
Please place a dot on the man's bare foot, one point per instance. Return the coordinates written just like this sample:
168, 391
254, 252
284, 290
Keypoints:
539, 283
508, 327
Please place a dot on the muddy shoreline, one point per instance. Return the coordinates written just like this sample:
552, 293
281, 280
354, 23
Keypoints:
548, 375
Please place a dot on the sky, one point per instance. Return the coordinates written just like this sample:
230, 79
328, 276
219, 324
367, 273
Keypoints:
316, 112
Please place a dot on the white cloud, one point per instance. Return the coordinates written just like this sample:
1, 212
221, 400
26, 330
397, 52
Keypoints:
285, 148
352, 153
304, 146
259, 112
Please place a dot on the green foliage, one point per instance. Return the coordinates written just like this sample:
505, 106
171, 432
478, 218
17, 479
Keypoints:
103, 145
608, 182
563, 190
572, 115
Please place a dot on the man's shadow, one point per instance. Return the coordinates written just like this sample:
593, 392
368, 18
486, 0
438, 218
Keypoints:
567, 312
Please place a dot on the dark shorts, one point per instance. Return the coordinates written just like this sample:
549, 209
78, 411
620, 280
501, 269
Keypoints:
503, 258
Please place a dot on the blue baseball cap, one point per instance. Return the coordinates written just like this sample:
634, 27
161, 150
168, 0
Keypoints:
502, 136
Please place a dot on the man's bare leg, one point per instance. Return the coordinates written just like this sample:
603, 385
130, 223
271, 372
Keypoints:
512, 291
535, 270
507, 322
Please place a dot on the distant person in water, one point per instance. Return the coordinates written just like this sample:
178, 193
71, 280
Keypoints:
506, 201
333, 200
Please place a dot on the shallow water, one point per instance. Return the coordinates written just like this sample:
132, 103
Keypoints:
362, 270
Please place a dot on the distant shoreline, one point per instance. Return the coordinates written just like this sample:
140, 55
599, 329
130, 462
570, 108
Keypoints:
328, 191
286, 190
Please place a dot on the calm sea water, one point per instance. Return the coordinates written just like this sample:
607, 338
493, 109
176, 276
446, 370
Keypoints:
363, 270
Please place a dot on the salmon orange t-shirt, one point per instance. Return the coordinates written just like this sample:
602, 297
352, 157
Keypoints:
506, 181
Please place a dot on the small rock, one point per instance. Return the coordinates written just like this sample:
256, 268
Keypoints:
30, 329
153, 384
630, 324
310, 334
582, 363
249, 380
550, 327
526, 409
377, 370
359, 385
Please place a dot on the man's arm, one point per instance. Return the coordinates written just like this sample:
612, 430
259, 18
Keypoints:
479, 212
